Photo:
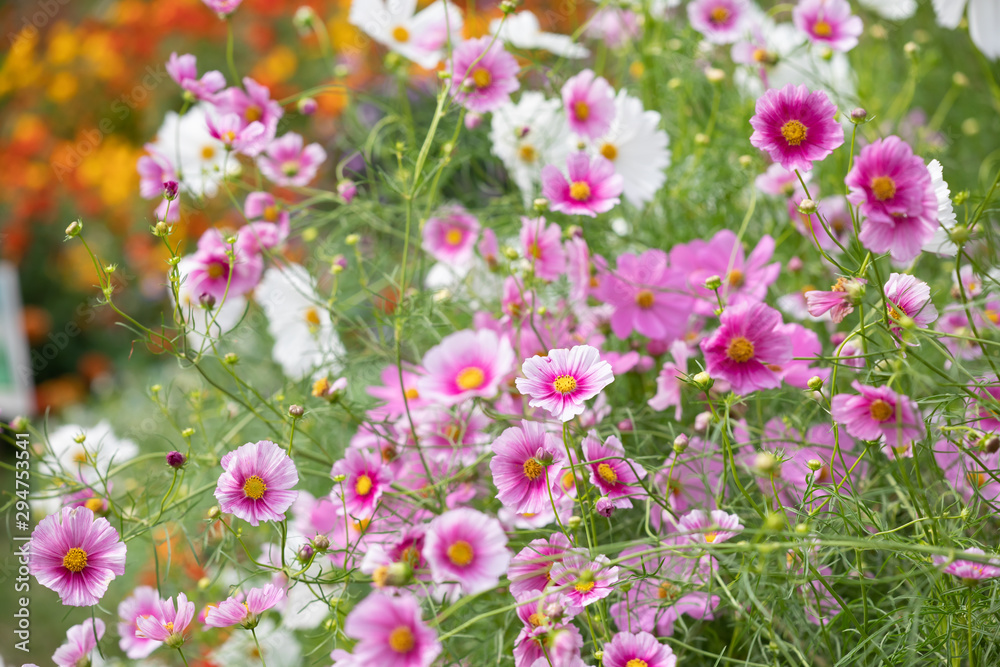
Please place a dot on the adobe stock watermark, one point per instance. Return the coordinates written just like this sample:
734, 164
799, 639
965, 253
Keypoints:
22, 524
31, 23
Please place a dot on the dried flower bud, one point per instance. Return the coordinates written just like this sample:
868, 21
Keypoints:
993, 444
296, 410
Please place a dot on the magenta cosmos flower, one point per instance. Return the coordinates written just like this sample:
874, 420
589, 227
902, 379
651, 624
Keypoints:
269, 222
796, 127
839, 301
592, 188
76, 555
908, 297
648, 297
247, 139
896, 195
719, 21
525, 461
466, 364
390, 633
877, 412
529, 569
712, 528
746, 345
466, 551
483, 74
587, 581
167, 623
616, 476
828, 23
633, 650
561, 381
393, 391
214, 273
255, 104
80, 641
246, 613
970, 572
365, 478
257, 483
144, 601
184, 70
288, 162
450, 236
543, 247
589, 101
223, 7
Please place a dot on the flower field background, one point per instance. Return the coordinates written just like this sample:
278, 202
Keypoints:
541, 334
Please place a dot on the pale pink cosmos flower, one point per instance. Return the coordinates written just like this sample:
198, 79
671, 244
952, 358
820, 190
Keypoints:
450, 236
525, 463
184, 70
466, 551
647, 295
778, 181
828, 23
544, 641
81, 640
617, 477
878, 412
249, 139
712, 528
593, 186
483, 74
561, 381
76, 555
906, 296
288, 162
578, 269
489, 248
392, 392
542, 246
391, 633
838, 301
255, 104
154, 170
689, 480
466, 364
144, 601
168, 623
970, 477
529, 569
629, 649
614, 26
588, 580
233, 611
269, 222
955, 323
970, 572
718, 21
589, 101
366, 478
257, 482
796, 127
223, 7
745, 347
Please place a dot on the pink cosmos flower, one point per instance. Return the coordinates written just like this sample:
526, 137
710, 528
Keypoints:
908, 297
529, 569
712, 528
563, 380
390, 632
970, 572
796, 127
81, 640
257, 482
483, 74
466, 364
746, 345
588, 580
223, 7
525, 461
184, 70
249, 139
896, 195
76, 555
269, 223
616, 476
668, 382
450, 236
392, 392
615, 26
629, 650
592, 188
154, 170
778, 181
545, 642
839, 301
578, 265
806, 350
233, 611
215, 274
970, 477
648, 297
288, 162
366, 479
955, 323
719, 21
877, 412
253, 105
543, 247
466, 551
589, 101
144, 601
489, 248
828, 23
166, 624
987, 407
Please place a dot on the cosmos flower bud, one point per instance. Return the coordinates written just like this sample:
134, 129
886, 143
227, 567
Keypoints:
605, 507
574, 522
170, 190
858, 115
703, 380
307, 106
231, 359
715, 75
176, 460
19, 424
713, 282
296, 410
625, 425
767, 464
347, 189
541, 205
993, 444
321, 542
960, 80
745, 161
680, 444
807, 207
305, 552
74, 229
815, 383
702, 420
473, 120
207, 301
814, 464
959, 234
774, 521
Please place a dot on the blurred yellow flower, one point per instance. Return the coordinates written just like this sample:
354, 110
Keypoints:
63, 87
63, 45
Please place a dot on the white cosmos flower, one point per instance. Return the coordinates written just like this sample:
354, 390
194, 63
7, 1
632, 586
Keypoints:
278, 647
894, 10
305, 342
528, 135
90, 460
523, 31
984, 22
417, 36
198, 156
941, 242
637, 147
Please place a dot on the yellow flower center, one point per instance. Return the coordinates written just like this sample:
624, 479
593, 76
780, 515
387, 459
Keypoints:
992, 315
312, 317
400, 34
364, 485
95, 505
207, 153
711, 537
822, 28
636, 662
584, 586
527, 153
460, 553
896, 315
740, 350
271, 213
579, 190
568, 481
581, 110
75, 560
215, 270
564, 384
735, 278
253, 113
481, 77
470, 378
794, 132
880, 410
533, 469
401, 639
320, 387
609, 151
883, 187
977, 479
719, 14
453, 237
228, 137
411, 394
254, 487
665, 590
645, 299
607, 473
169, 627
537, 619
759, 55
535, 250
